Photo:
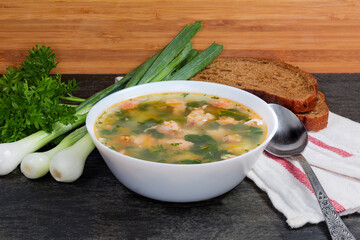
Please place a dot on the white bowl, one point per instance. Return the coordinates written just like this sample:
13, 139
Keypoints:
181, 182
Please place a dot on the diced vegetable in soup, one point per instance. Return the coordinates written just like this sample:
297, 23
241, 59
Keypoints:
181, 128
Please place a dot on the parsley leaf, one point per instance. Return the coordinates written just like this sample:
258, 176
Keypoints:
30, 96
234, 114
205, 146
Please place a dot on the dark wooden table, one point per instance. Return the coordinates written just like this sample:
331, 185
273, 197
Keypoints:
97, 206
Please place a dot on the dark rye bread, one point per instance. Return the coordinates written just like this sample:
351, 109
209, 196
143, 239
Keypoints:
273, 81
317, 118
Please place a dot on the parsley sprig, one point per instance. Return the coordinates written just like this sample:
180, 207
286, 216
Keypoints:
31, 98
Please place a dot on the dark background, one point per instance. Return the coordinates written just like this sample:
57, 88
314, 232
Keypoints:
97, 206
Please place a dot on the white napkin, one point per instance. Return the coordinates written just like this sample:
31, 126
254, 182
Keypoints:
334, 154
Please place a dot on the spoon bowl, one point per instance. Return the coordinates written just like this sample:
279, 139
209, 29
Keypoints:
291, 136
289, 141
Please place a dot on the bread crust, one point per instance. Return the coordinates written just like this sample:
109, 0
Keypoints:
296, 105
311, 110
316, 119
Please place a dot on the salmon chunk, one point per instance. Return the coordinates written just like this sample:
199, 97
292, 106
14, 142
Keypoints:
223, 104
199, 117
226, 120
178, 106
167, 128
179, 143
233, 138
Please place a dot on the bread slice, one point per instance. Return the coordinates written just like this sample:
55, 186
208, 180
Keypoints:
317, 118
271, 80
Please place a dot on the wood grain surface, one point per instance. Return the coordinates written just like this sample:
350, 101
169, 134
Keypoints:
108, 36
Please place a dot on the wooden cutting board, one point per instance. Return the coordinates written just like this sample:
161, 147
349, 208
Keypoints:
107, 36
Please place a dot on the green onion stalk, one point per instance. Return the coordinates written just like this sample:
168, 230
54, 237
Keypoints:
37, 164
68, 164
171, 51
177, 61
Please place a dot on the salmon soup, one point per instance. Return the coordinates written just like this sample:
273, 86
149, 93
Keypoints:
180, 128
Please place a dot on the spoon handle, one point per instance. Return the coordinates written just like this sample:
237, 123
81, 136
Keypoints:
337, 227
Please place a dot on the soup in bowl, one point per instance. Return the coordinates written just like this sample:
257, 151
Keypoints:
181, 141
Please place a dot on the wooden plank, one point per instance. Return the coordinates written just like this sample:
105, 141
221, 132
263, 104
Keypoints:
94, 36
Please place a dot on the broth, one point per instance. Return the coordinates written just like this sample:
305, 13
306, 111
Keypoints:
180, 128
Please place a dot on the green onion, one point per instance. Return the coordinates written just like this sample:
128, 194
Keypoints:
193, 53
36, 165
11, 154
105, 92
172, 65
141, 70
68, 164
198, 63
171, 51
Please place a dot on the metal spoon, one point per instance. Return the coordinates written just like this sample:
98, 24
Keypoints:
289, 141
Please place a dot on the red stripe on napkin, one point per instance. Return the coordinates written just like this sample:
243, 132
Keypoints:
299, 175
338, 151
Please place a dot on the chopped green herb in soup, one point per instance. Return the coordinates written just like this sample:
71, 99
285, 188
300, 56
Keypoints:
181, 128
